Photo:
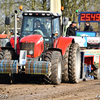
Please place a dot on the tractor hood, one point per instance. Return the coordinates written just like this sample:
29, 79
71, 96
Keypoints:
33, 44
32, 39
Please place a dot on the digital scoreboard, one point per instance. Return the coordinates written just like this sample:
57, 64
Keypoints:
89, 16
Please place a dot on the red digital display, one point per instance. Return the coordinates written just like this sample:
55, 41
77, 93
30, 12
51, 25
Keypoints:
90, 17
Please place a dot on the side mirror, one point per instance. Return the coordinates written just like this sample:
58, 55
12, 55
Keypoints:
65, 20
7, 21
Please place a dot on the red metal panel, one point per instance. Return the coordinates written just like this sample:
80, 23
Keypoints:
31, 38
63, 43
38, 49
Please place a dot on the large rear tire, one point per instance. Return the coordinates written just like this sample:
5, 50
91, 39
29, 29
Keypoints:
56, 66
74, 69
65, 66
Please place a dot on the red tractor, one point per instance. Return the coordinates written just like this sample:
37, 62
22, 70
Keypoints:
42, 50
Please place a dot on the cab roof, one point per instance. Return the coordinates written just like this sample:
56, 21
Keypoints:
41, 13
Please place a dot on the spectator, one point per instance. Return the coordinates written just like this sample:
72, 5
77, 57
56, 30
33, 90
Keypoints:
71, 30
88, 27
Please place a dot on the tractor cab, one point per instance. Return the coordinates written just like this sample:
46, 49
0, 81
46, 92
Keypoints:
44, 23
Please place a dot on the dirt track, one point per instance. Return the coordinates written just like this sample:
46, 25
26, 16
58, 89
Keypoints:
28, 91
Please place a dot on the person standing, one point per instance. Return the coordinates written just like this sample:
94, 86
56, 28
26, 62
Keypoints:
71, 30
88, 27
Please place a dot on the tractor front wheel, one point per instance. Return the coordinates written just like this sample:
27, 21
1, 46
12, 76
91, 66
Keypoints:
56, 66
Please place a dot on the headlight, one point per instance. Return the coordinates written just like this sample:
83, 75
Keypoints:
31, 52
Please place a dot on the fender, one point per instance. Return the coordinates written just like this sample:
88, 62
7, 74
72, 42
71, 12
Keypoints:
63, 42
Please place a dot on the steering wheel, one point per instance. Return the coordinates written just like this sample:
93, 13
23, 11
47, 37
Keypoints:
38, 31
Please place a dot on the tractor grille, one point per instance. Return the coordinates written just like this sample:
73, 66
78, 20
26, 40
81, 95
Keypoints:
27, 46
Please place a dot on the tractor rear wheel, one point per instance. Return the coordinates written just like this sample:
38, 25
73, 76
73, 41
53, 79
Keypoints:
74, 63
65, 66
56, 66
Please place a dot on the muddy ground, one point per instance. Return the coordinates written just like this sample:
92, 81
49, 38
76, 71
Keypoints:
89, 90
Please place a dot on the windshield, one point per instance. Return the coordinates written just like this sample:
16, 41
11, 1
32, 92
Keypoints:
36, 25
